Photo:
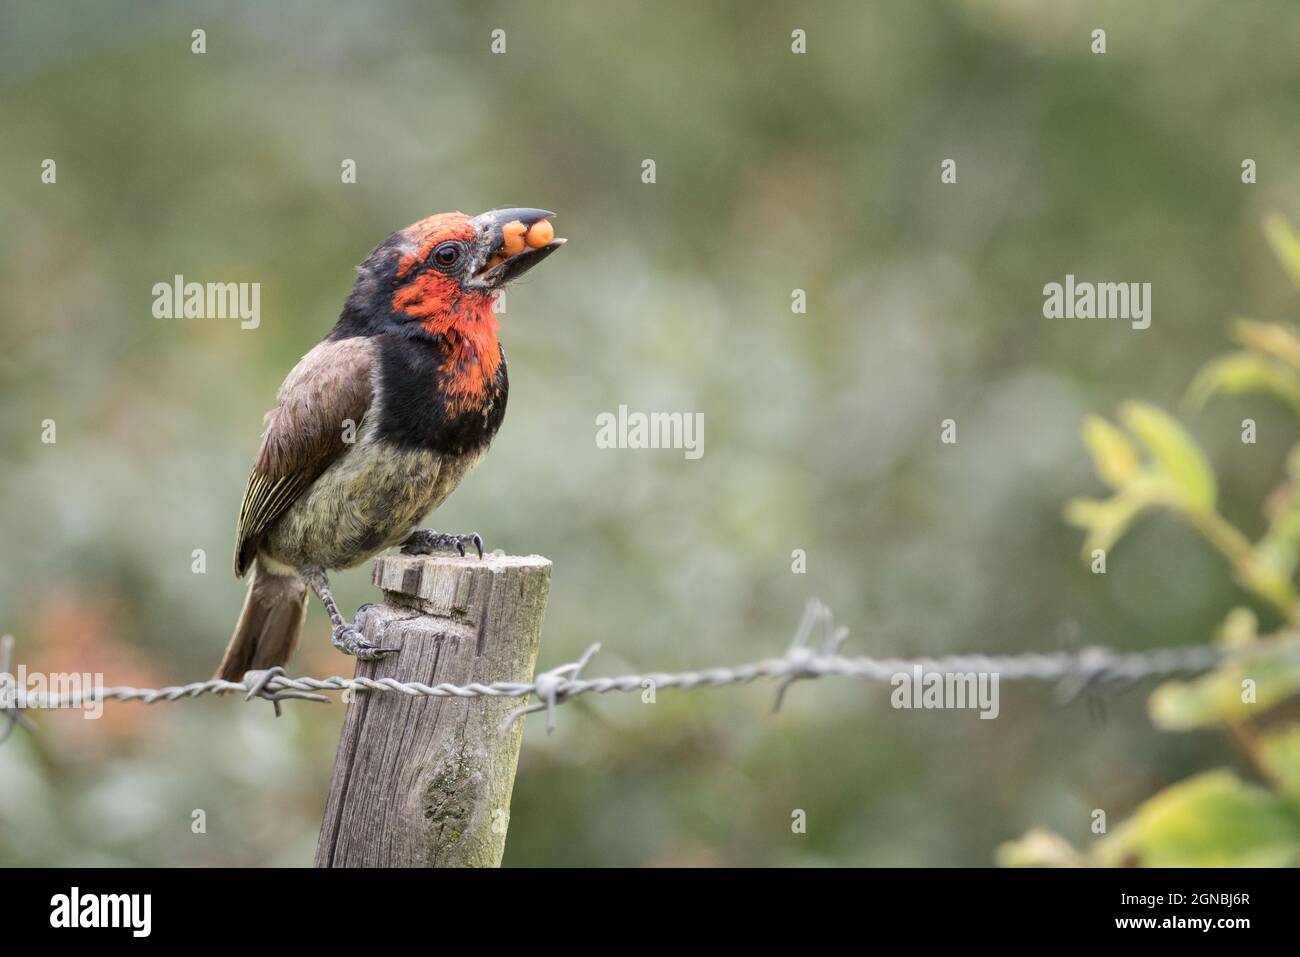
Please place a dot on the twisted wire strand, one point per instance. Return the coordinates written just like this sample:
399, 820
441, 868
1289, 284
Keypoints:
1090, 668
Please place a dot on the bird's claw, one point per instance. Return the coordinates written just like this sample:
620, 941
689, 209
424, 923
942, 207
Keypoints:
257, 681
425, 541
350, 641
471, 539
361, 613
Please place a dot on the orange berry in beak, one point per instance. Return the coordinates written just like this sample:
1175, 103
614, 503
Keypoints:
540, 234
512, 235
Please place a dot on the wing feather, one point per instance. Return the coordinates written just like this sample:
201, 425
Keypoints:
334, 383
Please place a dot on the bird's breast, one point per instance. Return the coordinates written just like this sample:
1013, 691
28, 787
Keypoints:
366, 501
440, 394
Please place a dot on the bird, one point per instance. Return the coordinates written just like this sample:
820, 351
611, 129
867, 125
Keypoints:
378, 424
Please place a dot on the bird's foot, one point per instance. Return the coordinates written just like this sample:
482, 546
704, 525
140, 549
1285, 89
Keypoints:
425, 541
349, 640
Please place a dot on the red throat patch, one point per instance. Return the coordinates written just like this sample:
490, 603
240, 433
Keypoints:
468, 326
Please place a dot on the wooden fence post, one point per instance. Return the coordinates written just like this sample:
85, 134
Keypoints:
422, 781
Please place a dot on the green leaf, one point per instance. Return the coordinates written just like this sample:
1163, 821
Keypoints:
1038, 848
1286, 246
1113, 456
1215, 699
1278, 553
1279, 752
1238, 373
1240, 628
1211, 820
1278, 550
1107, 521
1176, 454
1278, 339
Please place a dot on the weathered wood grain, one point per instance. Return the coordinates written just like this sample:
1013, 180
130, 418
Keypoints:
426, 782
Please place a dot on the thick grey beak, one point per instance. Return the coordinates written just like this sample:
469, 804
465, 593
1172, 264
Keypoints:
489, 226
496, 218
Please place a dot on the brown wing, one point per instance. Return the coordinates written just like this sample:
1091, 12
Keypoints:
304, 434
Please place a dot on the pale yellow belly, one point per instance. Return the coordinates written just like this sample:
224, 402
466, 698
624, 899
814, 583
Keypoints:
368, 500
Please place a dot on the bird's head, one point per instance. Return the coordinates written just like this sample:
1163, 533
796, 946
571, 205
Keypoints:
444, 272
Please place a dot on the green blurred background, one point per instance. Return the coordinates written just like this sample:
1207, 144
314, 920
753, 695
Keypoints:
775, 171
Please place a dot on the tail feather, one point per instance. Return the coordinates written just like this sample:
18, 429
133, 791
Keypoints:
269, 625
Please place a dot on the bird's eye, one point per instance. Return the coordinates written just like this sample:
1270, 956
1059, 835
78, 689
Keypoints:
448, 255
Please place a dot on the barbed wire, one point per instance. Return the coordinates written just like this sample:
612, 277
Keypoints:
1089, 669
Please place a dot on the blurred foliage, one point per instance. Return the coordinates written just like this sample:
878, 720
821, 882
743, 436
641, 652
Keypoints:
775, 172
1214, 819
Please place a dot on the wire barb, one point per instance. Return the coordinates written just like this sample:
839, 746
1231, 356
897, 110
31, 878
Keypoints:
13, 718
799, 654
549, 686
257, 682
